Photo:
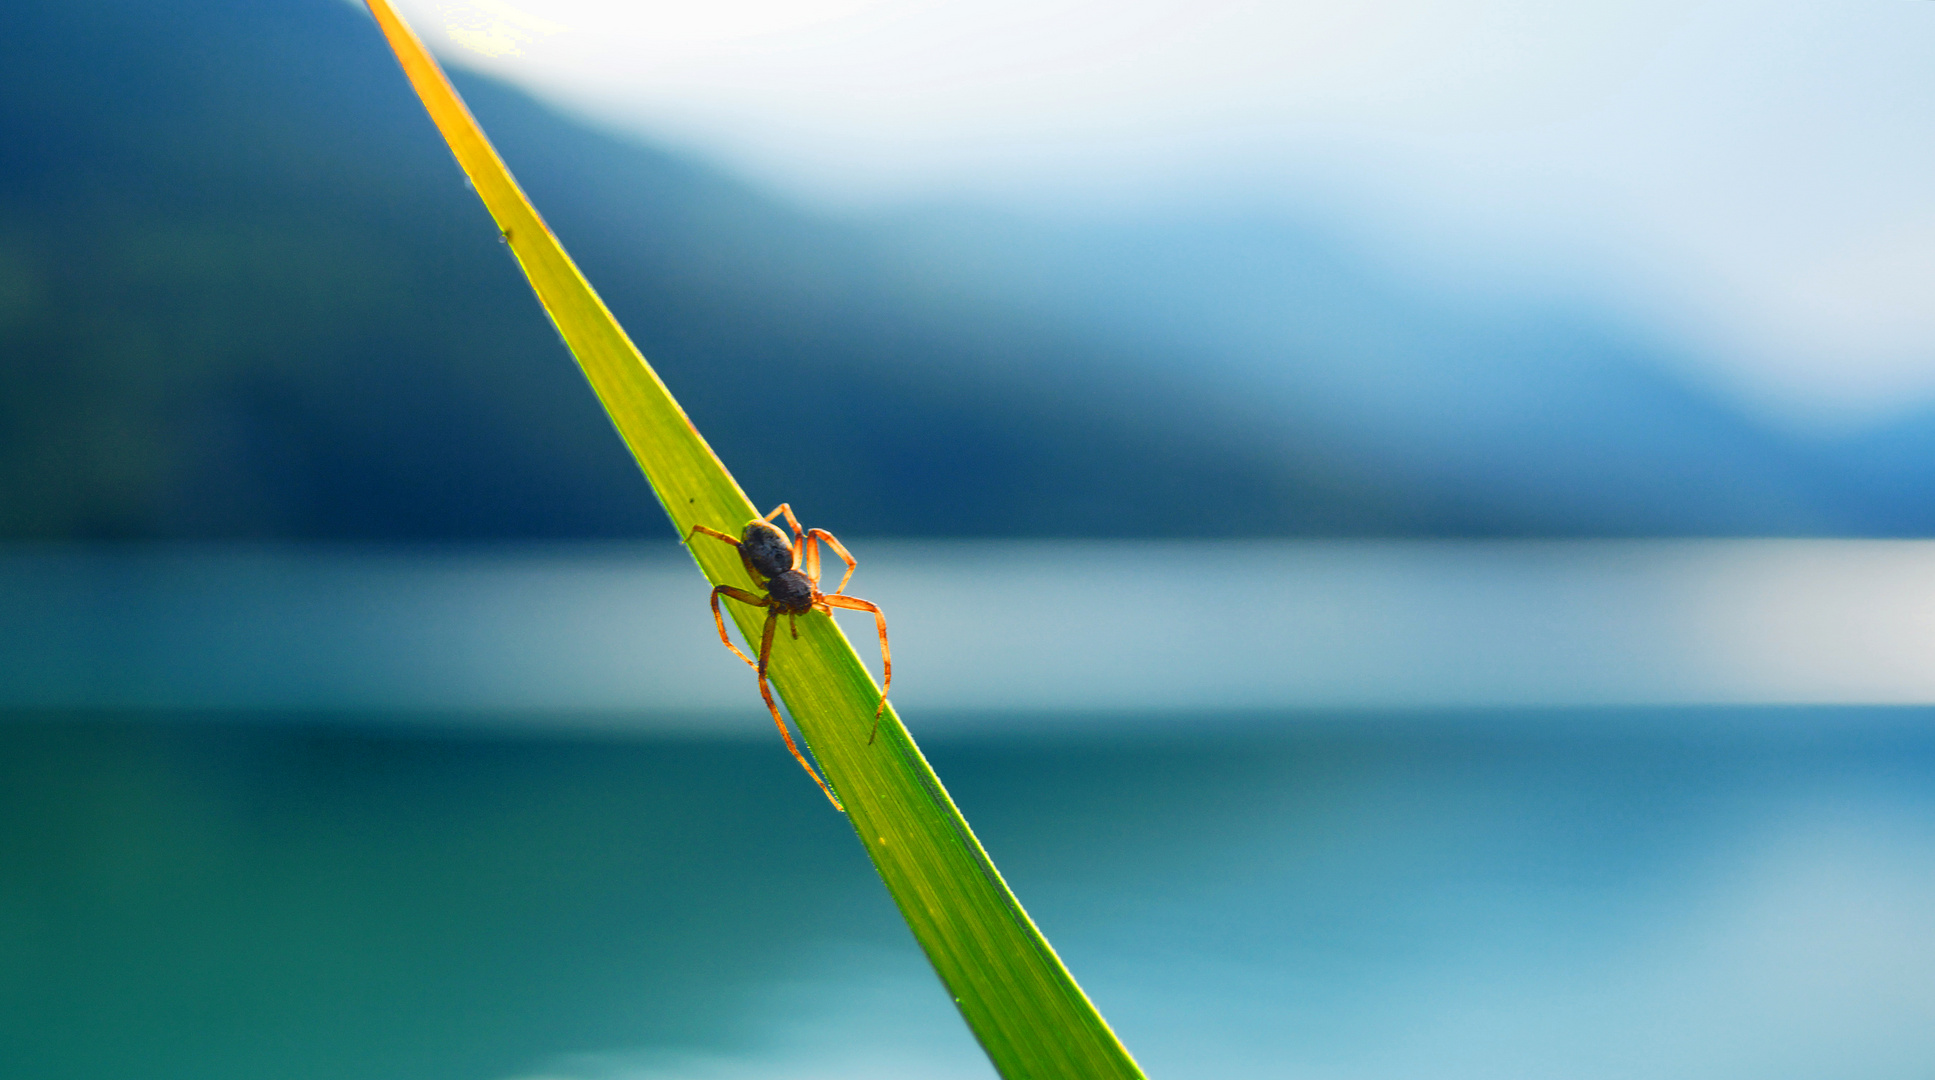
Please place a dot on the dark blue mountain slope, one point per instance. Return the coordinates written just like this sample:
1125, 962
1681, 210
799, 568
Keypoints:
244, 293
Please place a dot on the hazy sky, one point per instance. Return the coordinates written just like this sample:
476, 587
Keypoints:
1751, 179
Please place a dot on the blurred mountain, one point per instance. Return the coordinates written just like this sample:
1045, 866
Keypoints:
245, 293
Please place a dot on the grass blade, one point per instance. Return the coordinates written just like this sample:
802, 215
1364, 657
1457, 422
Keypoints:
1011, 988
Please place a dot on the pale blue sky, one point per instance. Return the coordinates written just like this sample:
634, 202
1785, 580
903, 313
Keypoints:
1750, 180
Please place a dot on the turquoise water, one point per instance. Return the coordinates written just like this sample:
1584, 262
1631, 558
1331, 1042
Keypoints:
1602, 893
981, 628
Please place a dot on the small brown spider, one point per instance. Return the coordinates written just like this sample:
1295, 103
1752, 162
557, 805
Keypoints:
790, 573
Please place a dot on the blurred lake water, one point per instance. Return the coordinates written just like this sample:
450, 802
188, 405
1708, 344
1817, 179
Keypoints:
1690, 894
352, 814
1051, 631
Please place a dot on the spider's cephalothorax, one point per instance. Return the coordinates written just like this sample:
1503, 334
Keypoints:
790, 573
791, 592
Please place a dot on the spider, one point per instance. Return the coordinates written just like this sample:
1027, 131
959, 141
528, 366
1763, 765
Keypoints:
790, 573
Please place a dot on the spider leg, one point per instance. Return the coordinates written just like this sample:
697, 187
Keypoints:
810, 549
743, 597
838, 549
766, 691
743, 560
697, 529
787, 509
793, 624
886, 655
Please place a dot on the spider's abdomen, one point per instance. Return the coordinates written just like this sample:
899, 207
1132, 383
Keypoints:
766, 548
791, 591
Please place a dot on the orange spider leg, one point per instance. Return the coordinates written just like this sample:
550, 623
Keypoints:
811, 552
696, 529
886, 654
743, 560
787, 509
838, 549
765, 691
743, 597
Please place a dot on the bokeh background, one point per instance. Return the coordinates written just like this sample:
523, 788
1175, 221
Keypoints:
1402, 524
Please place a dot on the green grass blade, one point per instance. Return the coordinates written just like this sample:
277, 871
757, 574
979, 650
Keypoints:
1021, 1003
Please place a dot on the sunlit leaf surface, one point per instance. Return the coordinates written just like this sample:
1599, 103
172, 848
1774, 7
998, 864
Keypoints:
1023, 1006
